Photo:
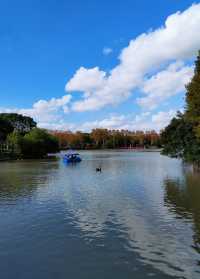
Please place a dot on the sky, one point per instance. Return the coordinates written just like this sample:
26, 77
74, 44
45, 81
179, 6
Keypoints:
79, 65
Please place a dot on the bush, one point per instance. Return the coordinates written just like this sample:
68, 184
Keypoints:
35, 144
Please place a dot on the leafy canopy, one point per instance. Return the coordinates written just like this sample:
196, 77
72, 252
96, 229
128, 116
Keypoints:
20, 123
181, 138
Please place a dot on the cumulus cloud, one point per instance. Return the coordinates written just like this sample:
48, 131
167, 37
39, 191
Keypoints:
154, 64
145, 121
165, 84
86, 80
44, 111
107, 50
112, 122
178, 39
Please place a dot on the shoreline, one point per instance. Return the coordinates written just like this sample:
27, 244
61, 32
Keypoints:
119, 149
56, 155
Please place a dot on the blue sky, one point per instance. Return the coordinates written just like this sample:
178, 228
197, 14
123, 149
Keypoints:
44, 43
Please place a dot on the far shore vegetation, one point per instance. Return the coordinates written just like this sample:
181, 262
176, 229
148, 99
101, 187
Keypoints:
21, 139
108, 139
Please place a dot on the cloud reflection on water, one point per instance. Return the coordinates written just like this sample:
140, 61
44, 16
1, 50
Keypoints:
129, 199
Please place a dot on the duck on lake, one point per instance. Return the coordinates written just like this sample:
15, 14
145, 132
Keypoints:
98, 169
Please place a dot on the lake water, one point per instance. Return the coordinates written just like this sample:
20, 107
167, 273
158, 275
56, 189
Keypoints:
138, 218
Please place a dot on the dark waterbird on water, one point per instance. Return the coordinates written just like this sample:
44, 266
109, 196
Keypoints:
98, 169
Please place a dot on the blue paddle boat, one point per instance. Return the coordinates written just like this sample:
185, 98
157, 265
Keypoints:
72, 157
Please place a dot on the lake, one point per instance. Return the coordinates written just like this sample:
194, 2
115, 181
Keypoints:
138, 218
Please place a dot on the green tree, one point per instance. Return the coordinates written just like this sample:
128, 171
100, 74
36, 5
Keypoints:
100, 136
35, 144
20, 123
16, 140
193, 94
5, 129
38, 143
181, 138
180, 141
193, 99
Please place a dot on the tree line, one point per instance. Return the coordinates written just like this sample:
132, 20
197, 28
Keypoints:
181, 138
23, 139
104, 138
20, 138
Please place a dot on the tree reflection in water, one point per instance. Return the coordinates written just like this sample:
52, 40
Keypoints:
22, 178
182, 197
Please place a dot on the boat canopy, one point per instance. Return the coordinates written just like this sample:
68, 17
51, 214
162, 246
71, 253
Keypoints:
71, 157
72, 154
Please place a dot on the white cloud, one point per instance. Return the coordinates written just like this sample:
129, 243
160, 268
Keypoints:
162, 119
86, 80
44, 111
49, 115
165, 84
58, 125
113, 122
141, 66
178, 39
107, 50
144, 121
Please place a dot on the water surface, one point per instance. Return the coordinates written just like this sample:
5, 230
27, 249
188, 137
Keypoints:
139, 218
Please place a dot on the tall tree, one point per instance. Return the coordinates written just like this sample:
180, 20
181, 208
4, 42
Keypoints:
180, 141
181, 138
20, 123
38, 143
193, 94
100, 136
5, 129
